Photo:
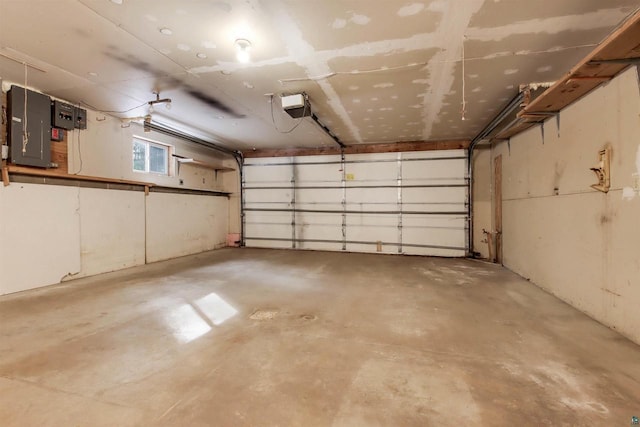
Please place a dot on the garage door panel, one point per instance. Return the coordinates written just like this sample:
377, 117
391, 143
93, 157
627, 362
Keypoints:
261, 175
321, 195
319, 246
425, 170
270, 244
372, 172
422, 213
318, 226
372, 248
427, 237
435, 195
372, 228
365, 195
314, 174
276, 195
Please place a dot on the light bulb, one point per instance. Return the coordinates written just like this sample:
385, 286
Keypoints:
150, 108
243, 56
243, 46
167, 106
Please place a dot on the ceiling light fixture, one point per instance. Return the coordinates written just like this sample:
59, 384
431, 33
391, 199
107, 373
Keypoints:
116, 1
201, 55
166, 31
166, 101
243, 46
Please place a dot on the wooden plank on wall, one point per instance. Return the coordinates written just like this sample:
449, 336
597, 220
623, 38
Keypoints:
60, 154
361, 149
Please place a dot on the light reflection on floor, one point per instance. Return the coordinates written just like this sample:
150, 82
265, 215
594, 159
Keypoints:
215, 308
193, 320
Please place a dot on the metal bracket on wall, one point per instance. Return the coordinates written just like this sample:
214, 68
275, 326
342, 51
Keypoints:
399, 203
602, 170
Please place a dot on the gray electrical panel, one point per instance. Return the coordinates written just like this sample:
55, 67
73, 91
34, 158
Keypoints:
63, 115
30, 134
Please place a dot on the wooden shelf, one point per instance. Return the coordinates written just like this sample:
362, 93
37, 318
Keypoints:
48, 173
203, 164
605, 62
617, 52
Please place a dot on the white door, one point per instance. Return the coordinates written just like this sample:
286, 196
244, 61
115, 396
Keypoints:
411, 203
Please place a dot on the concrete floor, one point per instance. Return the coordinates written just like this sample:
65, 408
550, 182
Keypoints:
282, 338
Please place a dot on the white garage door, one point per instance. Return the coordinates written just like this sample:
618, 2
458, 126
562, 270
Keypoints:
410, 203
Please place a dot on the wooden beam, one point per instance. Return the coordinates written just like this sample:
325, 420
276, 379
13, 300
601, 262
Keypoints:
622, 44
360, 149
25, 170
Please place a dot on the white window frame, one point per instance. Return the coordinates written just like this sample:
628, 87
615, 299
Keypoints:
150, 142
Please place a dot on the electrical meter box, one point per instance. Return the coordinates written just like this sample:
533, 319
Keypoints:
63, 115
29, 127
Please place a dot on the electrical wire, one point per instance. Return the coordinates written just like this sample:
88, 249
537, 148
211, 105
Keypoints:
425, 63
113, 111
353, 73
304, 111
79, 154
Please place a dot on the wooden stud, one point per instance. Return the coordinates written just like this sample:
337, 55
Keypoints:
5, 176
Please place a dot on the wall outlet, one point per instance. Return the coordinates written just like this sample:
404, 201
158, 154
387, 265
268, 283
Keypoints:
5, 152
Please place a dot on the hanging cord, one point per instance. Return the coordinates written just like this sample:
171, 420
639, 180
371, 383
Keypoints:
25, 133
304, 111
463, 111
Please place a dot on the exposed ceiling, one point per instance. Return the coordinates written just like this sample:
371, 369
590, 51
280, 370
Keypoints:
375, 71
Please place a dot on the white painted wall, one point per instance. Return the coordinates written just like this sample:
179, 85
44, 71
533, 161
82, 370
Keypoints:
39, 236
179, 225
581, 245
112, 230
52, 233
